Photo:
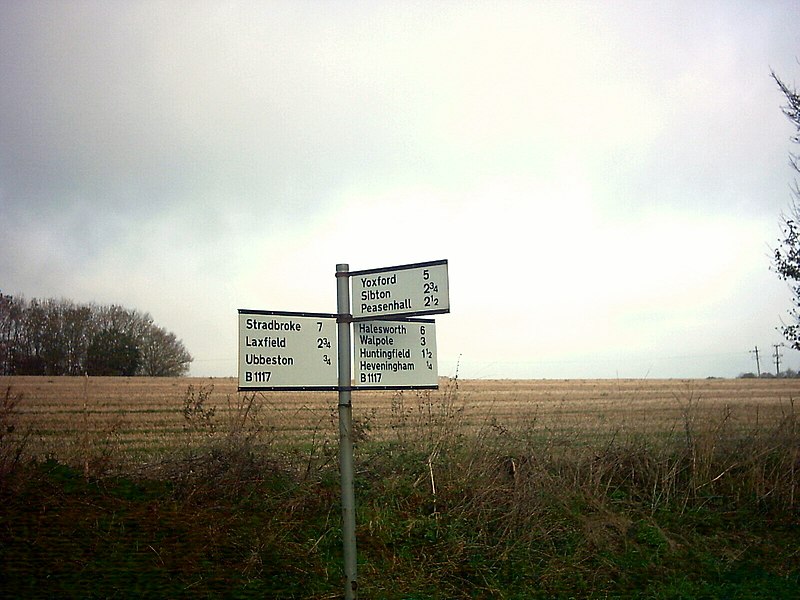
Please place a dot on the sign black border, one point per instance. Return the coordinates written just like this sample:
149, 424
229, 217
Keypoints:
430, 263
359, 388
305, 388
286, 313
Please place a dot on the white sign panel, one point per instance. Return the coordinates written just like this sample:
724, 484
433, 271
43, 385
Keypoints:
287, 351
395, 354
404, 290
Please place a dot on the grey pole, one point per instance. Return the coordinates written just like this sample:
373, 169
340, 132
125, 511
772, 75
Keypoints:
346, 431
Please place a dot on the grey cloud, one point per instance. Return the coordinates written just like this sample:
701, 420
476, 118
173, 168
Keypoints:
144, 140
131, 105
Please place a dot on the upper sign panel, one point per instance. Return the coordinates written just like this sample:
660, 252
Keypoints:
404, 290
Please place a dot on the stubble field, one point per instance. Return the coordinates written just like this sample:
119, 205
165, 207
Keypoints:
141, 417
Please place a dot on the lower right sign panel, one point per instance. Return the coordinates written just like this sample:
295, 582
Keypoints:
395, 354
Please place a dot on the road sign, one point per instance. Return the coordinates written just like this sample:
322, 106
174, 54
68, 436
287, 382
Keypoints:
287, 351
404, 290
395, 354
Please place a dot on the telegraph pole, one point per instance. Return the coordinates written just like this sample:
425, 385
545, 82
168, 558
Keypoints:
777, 357
758, 362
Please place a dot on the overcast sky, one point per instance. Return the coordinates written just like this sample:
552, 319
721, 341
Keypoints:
606, 179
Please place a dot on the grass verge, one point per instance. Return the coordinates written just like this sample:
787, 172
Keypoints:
497, 513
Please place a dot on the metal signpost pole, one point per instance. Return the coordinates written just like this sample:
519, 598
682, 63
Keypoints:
346, 431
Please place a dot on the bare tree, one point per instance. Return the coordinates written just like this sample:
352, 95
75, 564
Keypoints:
10, 331
163, 355
76, 332
112, 352
786, 258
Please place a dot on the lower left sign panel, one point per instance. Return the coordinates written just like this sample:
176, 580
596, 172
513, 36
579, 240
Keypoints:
286, 351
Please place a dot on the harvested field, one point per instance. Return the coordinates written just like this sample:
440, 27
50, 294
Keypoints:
137, 417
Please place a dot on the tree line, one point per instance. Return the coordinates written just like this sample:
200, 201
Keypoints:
787, 374
60, 337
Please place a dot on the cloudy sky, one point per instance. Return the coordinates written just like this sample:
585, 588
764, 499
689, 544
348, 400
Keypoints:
606, 179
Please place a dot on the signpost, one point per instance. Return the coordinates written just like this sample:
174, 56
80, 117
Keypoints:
394, 355
280, 350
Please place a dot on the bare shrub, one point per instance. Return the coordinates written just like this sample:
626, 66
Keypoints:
198, 416
12, 441
504, 479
